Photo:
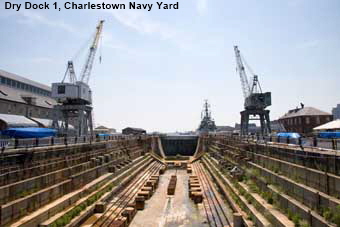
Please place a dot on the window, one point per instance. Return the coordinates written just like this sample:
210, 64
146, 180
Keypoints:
61, 89
3, 80
317, 120
307, 120
8, 82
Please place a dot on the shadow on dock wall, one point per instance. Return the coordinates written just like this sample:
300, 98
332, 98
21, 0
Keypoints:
182, 145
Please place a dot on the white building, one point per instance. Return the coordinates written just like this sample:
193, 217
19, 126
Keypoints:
24, 102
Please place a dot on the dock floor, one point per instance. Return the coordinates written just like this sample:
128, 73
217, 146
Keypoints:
162, 210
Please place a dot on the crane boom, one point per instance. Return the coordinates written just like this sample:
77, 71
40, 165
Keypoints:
86, 72
255, 102
71, 72
243, 76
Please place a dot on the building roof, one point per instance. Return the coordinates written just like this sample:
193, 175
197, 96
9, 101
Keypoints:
15, 95
136, 129
17, 121
332, 125
251, 125
101, 127
24, 80
48, 123
306, 111
224, 128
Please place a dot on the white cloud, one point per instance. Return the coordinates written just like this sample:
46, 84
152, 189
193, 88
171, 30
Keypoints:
34, 18
201, 6
40, 60
142, 23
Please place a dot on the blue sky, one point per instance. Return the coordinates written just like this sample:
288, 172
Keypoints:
159, 66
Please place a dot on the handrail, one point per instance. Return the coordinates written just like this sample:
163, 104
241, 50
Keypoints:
303, 142
14, 143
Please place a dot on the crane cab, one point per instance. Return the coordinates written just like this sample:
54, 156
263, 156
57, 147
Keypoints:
258, 101
72, 93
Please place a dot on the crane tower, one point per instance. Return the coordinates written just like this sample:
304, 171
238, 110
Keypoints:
74, 97
255, 101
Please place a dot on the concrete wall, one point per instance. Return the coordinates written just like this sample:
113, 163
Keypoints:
182, 145
45, 174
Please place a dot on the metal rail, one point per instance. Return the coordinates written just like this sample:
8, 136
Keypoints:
303, 142
118, 204
217, 214
14, 143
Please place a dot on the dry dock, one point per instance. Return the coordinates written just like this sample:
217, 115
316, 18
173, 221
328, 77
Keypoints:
171, 210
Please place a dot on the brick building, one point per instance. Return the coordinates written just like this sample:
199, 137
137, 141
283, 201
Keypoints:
304, 119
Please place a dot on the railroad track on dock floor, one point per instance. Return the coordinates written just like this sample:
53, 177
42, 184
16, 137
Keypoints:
126, 196
212, 204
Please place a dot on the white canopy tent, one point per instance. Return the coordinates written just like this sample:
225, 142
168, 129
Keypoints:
330, 126
15, 121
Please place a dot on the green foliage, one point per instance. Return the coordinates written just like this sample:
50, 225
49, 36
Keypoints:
290, 214
268, 196
255, 172
270, 200
252, 186
296, 219
248, 198
327, 214
304, 223
336, 216
276, 170
332, 215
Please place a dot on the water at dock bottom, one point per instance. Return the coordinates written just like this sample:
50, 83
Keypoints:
178, 210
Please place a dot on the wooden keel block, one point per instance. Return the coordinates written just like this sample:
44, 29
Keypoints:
100, 208
197, 197
148, 189
145, 194
118, 223
128, 213
140, 202
150, 183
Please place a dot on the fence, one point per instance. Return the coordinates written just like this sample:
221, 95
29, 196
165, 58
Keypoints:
14, 143
309, 142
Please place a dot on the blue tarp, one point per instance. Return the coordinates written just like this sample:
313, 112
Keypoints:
29, 132
293, 135
329, 135
104, 134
